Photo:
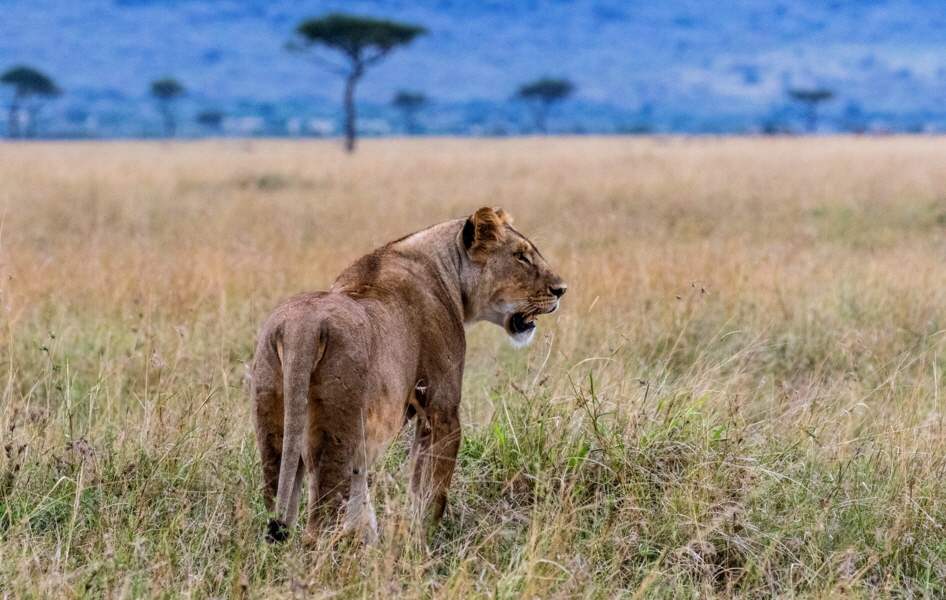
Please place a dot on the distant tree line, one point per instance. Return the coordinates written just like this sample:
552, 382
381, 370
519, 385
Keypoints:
347, 45
343, 43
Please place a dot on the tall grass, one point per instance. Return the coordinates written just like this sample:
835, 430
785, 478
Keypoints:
739, 398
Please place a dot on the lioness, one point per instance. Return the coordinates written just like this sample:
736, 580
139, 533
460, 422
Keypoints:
337, 374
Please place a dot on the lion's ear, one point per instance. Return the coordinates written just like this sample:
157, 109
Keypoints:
483, 231
503, 215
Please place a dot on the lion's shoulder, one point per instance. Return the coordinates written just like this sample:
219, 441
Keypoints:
414, 262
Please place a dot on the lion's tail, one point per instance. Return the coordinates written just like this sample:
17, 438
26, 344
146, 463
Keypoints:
299, 350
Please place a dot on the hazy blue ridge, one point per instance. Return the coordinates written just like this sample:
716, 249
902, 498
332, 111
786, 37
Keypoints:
688, 65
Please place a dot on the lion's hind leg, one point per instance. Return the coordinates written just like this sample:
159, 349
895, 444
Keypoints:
329, 470
267, 395
291, 357
338, 470
359, 512
268, 421
268, 417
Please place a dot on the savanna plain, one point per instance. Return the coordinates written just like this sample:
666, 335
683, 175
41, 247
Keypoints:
740, 396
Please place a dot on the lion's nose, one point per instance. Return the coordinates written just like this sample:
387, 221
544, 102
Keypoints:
558, 290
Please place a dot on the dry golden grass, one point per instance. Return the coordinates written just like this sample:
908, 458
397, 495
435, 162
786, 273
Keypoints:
740, 396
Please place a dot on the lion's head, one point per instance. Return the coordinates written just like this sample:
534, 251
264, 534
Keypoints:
513, 281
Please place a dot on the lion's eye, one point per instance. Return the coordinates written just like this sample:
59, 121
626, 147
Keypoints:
521, 257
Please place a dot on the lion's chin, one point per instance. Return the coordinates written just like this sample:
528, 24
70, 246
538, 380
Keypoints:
521, 329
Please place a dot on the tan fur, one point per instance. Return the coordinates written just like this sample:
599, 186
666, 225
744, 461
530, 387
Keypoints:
336, 374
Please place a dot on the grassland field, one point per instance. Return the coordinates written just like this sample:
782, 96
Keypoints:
741, 397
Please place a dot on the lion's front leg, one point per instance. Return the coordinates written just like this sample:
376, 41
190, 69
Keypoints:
445, 445
434, 457
420, 461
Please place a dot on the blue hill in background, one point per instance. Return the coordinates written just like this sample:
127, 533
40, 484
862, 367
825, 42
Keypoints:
671, 66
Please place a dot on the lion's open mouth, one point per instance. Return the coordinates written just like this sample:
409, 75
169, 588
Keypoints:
521, 323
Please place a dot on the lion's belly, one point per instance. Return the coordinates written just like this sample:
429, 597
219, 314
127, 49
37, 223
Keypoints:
383, 423
386, 403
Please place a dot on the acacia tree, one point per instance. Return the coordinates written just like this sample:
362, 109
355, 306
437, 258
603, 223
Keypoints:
541, 94
811, 99
28, 84
409, 103
165, 90
362, 41
211, 119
